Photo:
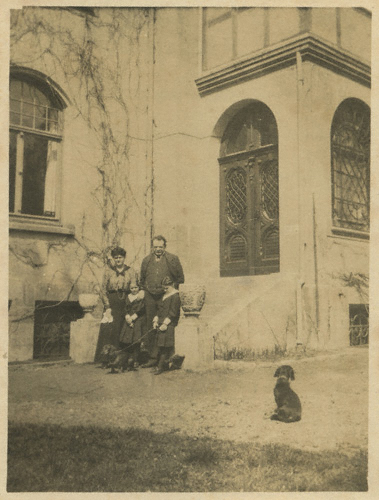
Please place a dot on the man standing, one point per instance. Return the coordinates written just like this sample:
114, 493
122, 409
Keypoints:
156, 266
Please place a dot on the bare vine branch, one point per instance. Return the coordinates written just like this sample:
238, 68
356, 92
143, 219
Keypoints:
103, 81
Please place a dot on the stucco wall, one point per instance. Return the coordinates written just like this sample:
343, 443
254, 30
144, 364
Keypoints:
186, 164
194, 174
46, 266
231, 36
174, 139
323, 93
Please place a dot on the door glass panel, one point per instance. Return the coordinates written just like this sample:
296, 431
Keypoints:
236, 205
269, 190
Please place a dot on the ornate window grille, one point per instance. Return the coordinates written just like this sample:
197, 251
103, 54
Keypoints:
52, 328
350, 149
359, 324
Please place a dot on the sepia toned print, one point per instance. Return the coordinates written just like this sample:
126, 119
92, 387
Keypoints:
189, 197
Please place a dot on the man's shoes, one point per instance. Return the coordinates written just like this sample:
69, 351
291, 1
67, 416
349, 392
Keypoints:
150, 364
159, 371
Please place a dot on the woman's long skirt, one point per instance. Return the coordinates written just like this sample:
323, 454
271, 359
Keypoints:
109, 333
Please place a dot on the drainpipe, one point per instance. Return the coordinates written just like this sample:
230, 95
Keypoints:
301, 281
150, 177
317, 294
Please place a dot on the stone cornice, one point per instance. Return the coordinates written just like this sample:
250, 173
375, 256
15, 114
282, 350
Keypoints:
268, 60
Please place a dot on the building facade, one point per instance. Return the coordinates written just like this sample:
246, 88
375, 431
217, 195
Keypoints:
241, 134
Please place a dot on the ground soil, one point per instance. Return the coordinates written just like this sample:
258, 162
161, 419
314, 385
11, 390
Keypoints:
233, 401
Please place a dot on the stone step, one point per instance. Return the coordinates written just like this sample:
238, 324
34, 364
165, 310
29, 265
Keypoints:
226, 295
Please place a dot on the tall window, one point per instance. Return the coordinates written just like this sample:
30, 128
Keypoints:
350, 149
249, 197
35, 136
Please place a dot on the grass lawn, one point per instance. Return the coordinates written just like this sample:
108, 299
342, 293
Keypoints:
89, 459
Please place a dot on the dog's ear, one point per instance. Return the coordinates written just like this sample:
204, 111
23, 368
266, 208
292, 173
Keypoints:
276, 374
292, 374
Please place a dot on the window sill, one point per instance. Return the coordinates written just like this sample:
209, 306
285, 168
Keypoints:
350, 234
39, 225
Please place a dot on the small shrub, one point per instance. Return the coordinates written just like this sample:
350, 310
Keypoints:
248, 354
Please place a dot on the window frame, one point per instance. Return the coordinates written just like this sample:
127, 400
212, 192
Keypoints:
343, 229
56, 99
253, 162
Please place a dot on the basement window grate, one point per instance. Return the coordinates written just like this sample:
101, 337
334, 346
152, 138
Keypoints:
359, 324
52, 328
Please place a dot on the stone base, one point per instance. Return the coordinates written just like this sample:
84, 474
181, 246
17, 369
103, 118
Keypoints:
83, 340
191, 342
21, 335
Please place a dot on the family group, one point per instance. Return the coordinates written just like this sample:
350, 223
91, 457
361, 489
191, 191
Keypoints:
142, 309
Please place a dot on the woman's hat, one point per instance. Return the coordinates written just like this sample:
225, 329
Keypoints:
118, 251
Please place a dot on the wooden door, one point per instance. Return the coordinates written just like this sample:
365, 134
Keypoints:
249, 213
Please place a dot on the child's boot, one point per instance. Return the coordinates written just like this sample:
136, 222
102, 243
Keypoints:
162, 365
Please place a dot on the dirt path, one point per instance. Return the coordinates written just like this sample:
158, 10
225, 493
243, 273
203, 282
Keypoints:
231, 402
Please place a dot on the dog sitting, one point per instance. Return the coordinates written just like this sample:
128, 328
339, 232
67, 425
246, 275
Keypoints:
114, 359
287, 401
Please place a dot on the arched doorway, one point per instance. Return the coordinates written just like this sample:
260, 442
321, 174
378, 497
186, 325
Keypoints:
249, 197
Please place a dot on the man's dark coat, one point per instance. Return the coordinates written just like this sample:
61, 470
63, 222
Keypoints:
173, 264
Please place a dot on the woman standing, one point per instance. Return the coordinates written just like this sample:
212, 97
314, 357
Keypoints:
116, 285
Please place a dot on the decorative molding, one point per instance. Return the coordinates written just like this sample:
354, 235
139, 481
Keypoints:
362, 10
350, 233
311, 48
39, 225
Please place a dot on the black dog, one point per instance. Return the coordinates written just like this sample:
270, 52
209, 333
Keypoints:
175, 362
143, 354
287, 401
107, 355
114, 359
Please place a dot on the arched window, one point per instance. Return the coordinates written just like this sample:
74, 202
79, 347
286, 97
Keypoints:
249, 198
35, 137
350, 151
